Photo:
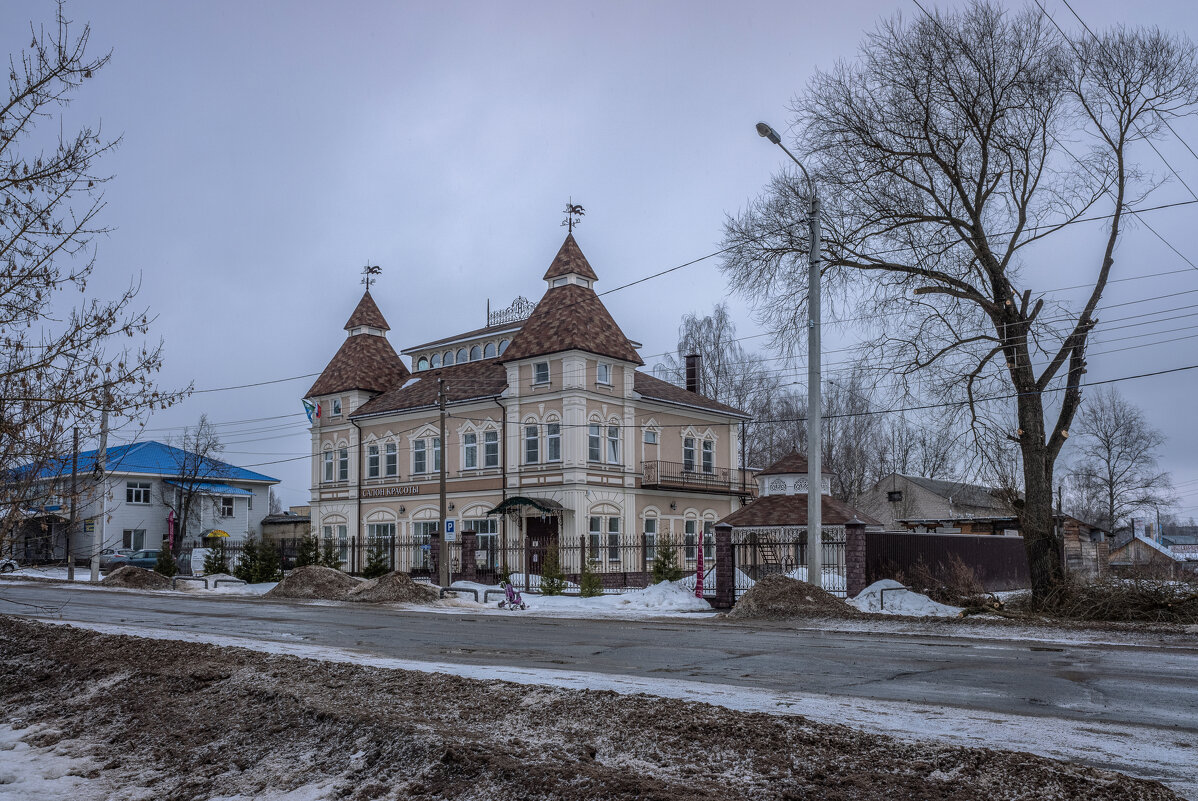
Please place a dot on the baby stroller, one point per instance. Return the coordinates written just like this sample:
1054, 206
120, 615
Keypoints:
511, 599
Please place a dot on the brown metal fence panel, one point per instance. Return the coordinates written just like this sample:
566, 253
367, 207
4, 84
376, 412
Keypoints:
998, 562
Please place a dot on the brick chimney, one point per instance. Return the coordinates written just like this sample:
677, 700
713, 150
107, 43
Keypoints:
693, 362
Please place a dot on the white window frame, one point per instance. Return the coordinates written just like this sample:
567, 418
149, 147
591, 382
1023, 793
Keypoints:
329, 467
540, 373
391, 459
469, 451
708, 542
651, 436
532, 443
595, 443
376, 531
490, 448
690, 533
613, 444
613, 539
336, 404
134, 538
650, 526
553, 442
343, 464
594, 537
688, 454
603, 374
436, 454
419, 457
227, 507
708, 456
136, 490
373, 463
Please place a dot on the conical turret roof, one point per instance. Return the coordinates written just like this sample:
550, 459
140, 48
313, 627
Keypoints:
569, 259
367, 314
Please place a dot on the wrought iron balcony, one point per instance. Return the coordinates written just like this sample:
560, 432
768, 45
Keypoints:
677, 475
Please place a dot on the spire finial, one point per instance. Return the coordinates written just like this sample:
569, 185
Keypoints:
369, 272
573, 210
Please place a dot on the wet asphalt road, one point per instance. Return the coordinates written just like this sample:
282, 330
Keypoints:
1149, 686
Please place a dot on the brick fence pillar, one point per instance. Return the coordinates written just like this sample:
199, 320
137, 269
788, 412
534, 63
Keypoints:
434, 556
469, 561
725, 575
854, 556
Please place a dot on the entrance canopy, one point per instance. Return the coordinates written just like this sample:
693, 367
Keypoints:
518, 503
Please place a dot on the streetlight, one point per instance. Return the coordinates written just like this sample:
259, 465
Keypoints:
815, 522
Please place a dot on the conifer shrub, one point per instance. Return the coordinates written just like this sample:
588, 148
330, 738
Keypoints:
308, 552
590, 582
665, 560
376, 560
217, 559
553, 580
166, 563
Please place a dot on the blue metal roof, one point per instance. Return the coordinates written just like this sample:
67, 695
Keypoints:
155, 458
209, 488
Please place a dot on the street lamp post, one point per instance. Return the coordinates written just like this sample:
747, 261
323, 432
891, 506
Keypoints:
815, 529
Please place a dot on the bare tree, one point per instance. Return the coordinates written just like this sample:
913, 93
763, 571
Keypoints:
1117, 473
60, 361
275, 505
197, 464
942, 152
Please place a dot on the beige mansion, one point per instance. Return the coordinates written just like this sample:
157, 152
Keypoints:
552, 434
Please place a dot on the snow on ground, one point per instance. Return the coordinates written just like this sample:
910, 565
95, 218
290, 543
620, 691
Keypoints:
82, 573
888, 597
1127, 748
49, 773
660, 600
229, 585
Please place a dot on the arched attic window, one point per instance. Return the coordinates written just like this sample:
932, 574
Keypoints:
489, 351
476, 353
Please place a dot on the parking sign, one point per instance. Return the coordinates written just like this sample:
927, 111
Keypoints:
451, 531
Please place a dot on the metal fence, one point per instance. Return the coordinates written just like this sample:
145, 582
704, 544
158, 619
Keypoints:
620, 563
762, 552
998, 562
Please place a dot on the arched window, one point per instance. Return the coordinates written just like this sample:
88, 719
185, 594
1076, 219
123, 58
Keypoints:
489, 350
503, 343
436, 360
448, 358
422, 364
476, 353
461, 355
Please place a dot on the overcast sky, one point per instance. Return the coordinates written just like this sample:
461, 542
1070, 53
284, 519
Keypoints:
271, 149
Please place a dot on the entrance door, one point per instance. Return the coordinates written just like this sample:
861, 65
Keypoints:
542, 532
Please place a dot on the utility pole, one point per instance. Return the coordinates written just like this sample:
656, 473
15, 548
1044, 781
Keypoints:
98, 533
74, 496
815, 484
440, 454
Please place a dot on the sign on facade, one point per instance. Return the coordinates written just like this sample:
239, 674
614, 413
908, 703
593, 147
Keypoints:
89, 526
390, 492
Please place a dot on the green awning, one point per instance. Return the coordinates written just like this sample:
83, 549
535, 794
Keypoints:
518, 503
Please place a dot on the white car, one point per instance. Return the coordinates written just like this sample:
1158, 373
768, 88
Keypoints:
8, 565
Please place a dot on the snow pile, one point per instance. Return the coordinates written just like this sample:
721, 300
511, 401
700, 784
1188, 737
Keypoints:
534, 582
898, 600
667, 596
136, 578
779, 597
315, 583
229, 585
49, 773
393, 588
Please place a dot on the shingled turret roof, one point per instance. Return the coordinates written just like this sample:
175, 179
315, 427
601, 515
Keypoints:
364, 361
793, 462
367, 314
571, 317
569, 259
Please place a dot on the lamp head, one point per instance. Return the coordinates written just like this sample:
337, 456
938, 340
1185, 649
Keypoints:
763, 129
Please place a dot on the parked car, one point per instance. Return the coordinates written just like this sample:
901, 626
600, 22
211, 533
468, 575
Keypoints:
112, 558
147, 559
8, 565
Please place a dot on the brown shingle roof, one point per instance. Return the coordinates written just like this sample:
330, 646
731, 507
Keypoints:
654, 388
367, 313
481, 379
364, 361
569, 259
791, 510
571, 317
793, 462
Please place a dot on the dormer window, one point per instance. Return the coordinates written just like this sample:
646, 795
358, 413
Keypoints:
540, 373
336, 407
603, 374
560, 281
422, 364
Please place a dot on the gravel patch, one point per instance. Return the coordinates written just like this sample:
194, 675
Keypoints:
211, 722
776, 597
315, 583
136, 578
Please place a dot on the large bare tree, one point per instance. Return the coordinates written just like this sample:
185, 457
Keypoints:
197, 464
1116, 474
64, 355
943, 152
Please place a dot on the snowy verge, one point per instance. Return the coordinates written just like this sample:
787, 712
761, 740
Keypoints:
660, 600
48, 773
1136, 750
888, 597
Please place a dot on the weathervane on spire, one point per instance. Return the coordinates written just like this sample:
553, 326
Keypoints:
573, 210
368, 273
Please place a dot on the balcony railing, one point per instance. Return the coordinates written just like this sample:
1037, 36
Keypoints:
677, 475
